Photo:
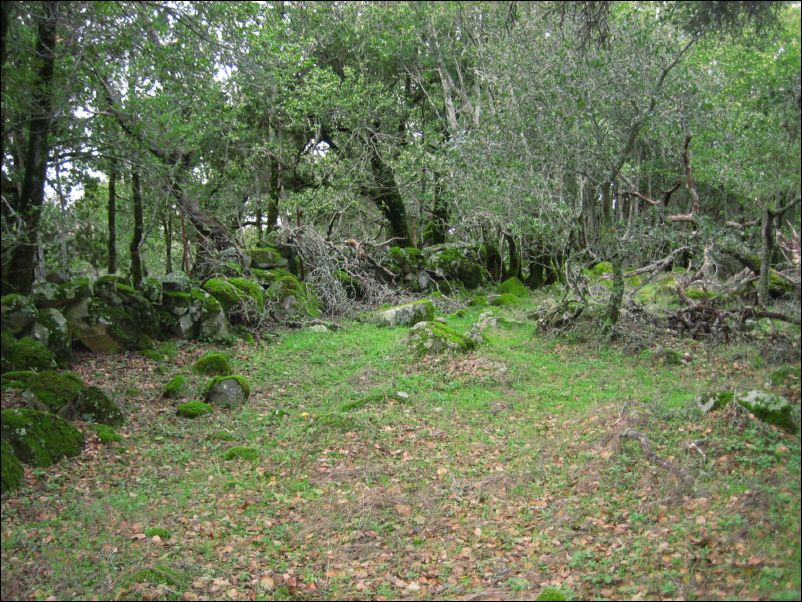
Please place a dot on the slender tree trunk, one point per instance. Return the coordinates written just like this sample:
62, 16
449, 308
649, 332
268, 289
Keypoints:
112, 216
184, 246
136, 240
19, 276
439, 214
385, 194
167, 224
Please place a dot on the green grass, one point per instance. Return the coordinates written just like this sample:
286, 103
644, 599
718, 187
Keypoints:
510, 480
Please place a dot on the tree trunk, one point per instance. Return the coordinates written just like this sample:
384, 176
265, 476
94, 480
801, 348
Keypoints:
385, 194
167, 224
514, 265
136, 240
439, 215
493, 259
19, 276
112, 216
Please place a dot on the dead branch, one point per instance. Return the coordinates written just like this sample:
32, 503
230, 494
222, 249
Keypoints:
661, 265
646, 446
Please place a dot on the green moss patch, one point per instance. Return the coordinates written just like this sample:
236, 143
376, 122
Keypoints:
226, 293
176, 388
10, 468
193, 409
106, 434
94, 405
40, 438
243, 382
17, 379
513, 286
241, 453
504, 300
212, 363
250, 290
29, 354
161, 532
53, 390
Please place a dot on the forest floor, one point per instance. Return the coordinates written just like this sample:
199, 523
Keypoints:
491, 475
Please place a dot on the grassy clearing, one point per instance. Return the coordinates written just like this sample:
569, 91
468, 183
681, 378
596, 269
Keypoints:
378, 475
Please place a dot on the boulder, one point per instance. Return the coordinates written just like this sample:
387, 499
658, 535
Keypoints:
39, 438
770, 407
104, 327
227, 391
427, 338
93, 405
176, 282
513, 286
17, 313
56, 392
406, 314
52, 330
212, 363
293, 298
152, 290
10, 468
193, 409
266, 258
454, 262
28, 354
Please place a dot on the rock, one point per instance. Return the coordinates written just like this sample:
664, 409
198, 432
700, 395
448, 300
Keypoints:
266, 258
28, 354
56, 334
10, 468
193, 409
39, 438
404, 315
152, 290
318, 328
227, 391
56, 392
770, 407
17, 313
707, 402
176, 388
108, 288
176, 282
224, 291
45, 294
406, 260
93, 405
292, 298
454, 262
433, 338
212, 363
106, 328
486, 320
251, 291
513, 286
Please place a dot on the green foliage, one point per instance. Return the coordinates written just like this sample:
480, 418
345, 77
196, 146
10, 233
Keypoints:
505, 299
106, 434
163, 533
40, 438
553, 594
513, 286
212, 363
193, 409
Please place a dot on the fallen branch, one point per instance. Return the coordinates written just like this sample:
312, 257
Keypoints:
646, 446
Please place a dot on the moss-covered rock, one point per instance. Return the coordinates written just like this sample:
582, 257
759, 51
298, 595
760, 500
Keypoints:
109, 286
268, 277
17, 379
241, 453
770, 407
513, 286
106, 434
226, 293
39, 438
58, 338
161, 352
406, 314
250, 290
28, 354
405, 259
193, 409
106, 328
708, 402
52, 294
266, 258
151, 289
226, 391
454, 262
291, 297
504, 300
176, 282
17, 313
94, 405
212, 363
55, 392
10, 468
434, 337
176, 388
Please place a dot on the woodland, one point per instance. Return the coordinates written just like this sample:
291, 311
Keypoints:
400, 300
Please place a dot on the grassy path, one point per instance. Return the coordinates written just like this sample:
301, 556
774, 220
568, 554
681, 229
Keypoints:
491, 475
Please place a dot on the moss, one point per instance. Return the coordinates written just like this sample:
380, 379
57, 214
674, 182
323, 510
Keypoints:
176, 299
176, 388
94, 405
600, 269
231, 268
162, 352
161, 532
770, 408
7, 340
699, 294
17, 312
29, 354
553, 594
193, 409
16, 380
478, 300
212, 363
221, 436
436, 337
106, 434
362, 402
55, 390
156, 575
505, 299
294, 296
10, 468
786, 376
241, 453
243, 382
226, 293
40, 438
709, 402
266, 257
209, 303
452, 263
59, 340
131, 324
251, 290
513, 286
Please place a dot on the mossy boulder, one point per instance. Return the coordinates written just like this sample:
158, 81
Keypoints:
94, 405
406, 314
176, 388
226, 293
52, 294
10, 468
52, 330
176, 282
17, 313
17, 379
770, 407
193, 409
213, 322
28, 354
454, 262
106, 328
109, 286
505, 300
212, 363
227, 391
39, 438
291, 298
56, 392
251, 291
266, 258
152, 290
429, 338
405, 259
708, 402
513, 286
268, 277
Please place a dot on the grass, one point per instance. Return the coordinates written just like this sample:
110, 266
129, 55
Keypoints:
502, 472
